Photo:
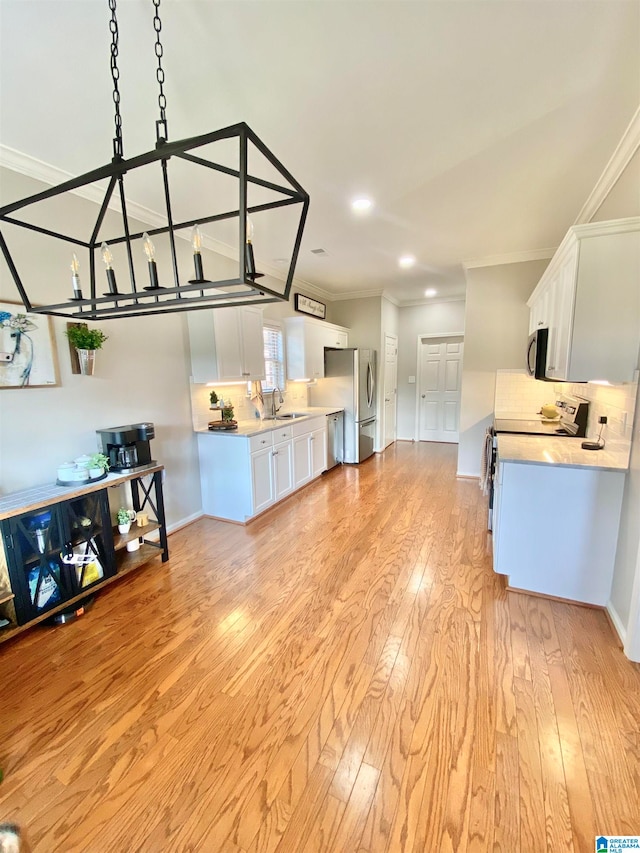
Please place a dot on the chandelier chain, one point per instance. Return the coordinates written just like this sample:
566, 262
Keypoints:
115, 75
157, 25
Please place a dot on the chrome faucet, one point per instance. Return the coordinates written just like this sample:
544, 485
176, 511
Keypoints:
275, 409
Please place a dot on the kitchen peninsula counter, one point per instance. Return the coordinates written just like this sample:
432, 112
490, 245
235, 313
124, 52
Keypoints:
253, 426
562, 452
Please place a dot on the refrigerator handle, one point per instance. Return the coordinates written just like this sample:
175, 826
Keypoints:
370, 384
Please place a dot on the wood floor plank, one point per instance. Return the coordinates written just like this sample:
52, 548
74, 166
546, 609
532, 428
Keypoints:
344, 673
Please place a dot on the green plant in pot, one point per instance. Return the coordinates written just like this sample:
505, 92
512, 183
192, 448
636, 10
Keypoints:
124, 517
98, 465
86, 341
213, 398
227, 413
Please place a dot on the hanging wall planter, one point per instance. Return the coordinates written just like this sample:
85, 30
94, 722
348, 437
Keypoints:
87, 361
84, 343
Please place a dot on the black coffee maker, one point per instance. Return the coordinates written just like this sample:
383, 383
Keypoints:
127, 446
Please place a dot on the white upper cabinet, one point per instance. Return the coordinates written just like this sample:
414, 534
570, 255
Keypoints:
306, 342
589, 299
226, 344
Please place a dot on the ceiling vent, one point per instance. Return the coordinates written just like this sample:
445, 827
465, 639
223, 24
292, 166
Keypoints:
319, 252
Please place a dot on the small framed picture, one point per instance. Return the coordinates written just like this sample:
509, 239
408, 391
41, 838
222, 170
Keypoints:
307, 305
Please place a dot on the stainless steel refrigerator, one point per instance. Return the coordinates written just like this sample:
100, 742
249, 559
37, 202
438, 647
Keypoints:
350, 382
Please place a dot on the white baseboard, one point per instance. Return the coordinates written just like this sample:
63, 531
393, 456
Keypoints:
621, 631
178, 525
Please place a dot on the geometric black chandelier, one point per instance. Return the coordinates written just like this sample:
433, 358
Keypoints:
92, 286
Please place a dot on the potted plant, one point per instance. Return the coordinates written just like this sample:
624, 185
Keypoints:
227, 413
124, 517
213, 399
98, 465
86, 341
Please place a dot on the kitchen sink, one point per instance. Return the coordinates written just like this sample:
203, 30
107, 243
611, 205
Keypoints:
289, 416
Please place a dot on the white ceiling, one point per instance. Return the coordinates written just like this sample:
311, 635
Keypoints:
479, 128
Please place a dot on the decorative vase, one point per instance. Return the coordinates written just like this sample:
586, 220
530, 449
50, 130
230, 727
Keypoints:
87, 359
124, 528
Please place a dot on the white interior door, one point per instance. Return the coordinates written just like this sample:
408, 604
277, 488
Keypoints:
440, 381
390, 388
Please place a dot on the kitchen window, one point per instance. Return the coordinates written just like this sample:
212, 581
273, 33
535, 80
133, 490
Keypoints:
273, 357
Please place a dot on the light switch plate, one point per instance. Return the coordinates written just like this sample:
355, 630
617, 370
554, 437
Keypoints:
412, 380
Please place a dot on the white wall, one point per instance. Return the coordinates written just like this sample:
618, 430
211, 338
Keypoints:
363, 317
435, 318
623, 201
496, 332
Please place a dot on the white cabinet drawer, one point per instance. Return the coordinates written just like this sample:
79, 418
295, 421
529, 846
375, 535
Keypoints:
305, 426
259, 442
284, 433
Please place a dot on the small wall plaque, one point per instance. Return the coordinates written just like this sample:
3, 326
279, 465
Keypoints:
307, 305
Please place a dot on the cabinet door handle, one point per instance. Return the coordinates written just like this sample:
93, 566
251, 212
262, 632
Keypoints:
541, 323
275, 453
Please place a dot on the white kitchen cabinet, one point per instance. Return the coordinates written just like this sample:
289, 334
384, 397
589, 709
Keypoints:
242, 476
589, 300
226, 344
555, 529
263, 487
301, 460
282, 458
306, 341
309, 450
318, 442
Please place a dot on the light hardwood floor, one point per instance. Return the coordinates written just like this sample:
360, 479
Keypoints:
344, 674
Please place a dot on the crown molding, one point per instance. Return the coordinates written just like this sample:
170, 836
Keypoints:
356, 294
618, 162
433, 300
509, 258
391, 298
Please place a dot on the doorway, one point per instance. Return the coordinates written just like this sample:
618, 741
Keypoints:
390, 388
440, 381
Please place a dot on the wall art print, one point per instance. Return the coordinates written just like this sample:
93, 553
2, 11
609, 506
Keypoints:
28, 357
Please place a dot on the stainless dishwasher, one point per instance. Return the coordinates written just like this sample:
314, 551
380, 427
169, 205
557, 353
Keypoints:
335, 439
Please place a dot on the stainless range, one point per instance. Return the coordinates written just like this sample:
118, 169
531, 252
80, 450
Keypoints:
574, 412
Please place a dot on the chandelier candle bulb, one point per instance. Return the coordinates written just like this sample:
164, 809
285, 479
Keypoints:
107, 257
249, 256
150, 252
196, 242
75, 278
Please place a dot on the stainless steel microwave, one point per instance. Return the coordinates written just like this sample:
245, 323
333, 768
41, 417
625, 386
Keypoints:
537, 354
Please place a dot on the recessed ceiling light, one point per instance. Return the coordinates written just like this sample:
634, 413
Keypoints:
430, 291
406, 261
361, 205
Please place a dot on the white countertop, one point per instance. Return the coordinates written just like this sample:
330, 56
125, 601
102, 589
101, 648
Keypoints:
255, 426
565, 452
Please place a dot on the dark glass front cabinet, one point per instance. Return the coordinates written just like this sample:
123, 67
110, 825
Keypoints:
57, 552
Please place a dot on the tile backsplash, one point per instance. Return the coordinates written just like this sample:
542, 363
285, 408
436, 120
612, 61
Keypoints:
519, 395
295, 396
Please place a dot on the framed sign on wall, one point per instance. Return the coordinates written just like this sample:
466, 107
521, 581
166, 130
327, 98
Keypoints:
307, 305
